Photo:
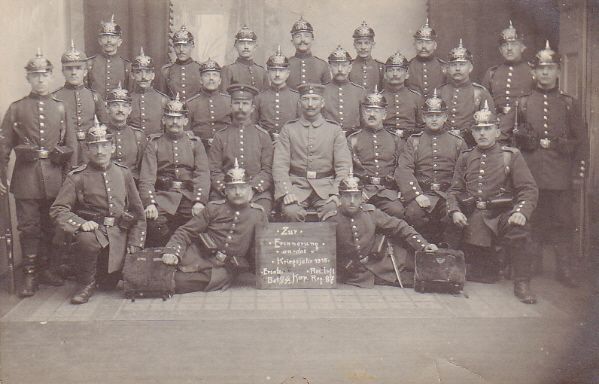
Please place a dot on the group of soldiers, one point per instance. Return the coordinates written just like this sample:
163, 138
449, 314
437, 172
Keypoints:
411, 149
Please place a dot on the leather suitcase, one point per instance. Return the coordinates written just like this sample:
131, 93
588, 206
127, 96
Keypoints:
440, 271
145, 275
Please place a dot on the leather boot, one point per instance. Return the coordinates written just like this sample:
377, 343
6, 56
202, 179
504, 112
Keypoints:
523, 292
563, 273
82, 295
50, 278
30, 279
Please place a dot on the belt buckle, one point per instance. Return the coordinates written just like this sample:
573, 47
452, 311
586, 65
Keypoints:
43, 153
109, 221
481, 204
177, 184
364, 259
375, 180
310, 174
80, 135
506, 109
221, 257
435, 187
210, 140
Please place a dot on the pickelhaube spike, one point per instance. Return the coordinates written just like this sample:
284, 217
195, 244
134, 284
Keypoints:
301, 26
374, 100
38, 64
110, 27
363, 31
98, 133
351, 183
397, 60
425, 32
547, 47
485, 117
236, 175
434, 104
142, 61
546, 56
182, 36
459, 53
210, 65
339, 55
118, 94
245, 34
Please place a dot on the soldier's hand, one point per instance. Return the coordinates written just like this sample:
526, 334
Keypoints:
197, 208
423, 201
333, 198
133, 248
289, 199
151, 212
431, 248
89, 226
459, 219
2, 188
170, 259
517, 219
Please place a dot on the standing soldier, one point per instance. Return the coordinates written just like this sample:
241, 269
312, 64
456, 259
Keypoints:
365, 70
311, 158
277, 104
303, 67
129, 141
508, 81
403, 112
245, 142
426, 70
425, 170
209, 110
146, 102
550, 134
375, 152
99, 204
174, 181
341, 96
36, 128
462, 96
183, 76
491, 199
244, 70
81, 103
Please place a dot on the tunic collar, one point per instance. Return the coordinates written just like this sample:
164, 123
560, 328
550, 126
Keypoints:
319, 121
37, 96
73, 87
547, 91
185, 62
244, 61
303, 55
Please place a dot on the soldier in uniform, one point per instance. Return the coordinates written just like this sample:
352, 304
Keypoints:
36, 128
462, 96
375, 152
174, 182
305, 68
100, 206
81, 103
245, 142
550, 134
341, 96
183, 76
365, 70
508, 81
491, 199
146, 102
426, 71
425, 170
403, 112
225, 230
209, 110
129, 142
358, 227
277, 104
311, 158
244, 70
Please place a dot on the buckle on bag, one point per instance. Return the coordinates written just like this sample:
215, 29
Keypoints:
109, 221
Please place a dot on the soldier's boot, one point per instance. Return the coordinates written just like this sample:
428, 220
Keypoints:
84, 293
563, 272
523, 291
30, 285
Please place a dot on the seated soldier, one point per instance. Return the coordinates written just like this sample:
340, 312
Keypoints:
359, 260
99, 204
491, 199
214, 246
174, 181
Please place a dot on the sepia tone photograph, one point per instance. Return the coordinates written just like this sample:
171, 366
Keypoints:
299, 191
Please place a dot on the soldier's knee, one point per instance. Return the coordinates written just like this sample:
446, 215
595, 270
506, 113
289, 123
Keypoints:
396, 209
158, 228
415, 215
293, 212
326, 210
87, 242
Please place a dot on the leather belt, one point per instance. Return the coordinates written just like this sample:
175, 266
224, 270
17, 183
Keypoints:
310, 174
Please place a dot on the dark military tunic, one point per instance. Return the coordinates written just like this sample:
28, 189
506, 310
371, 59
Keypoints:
367, 72
104, 73
146, 110
244, 71
108, 193
305, 68
426, 75
182, 78
130, 143
463, 101
209, 112
275, 107
342, 104
403, 111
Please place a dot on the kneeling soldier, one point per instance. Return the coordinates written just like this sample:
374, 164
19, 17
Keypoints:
358, 257
99, 204
225, 230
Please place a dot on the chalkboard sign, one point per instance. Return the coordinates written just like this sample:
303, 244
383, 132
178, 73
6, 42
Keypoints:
296, 255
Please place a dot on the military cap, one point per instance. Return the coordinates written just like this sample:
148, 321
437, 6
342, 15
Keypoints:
459, 53
311, 89
278, 60
175, 108
242, 91
38, 64
301, 26
434, 104
245, 34
484, 117
350, 184
236, 175
73, 57
110, 28
509, 34
118, 94
546, 56
363, 31
209, 66
425, 32
339, 55
397, 60
374, 100
142, 61
182, 36
98, 133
